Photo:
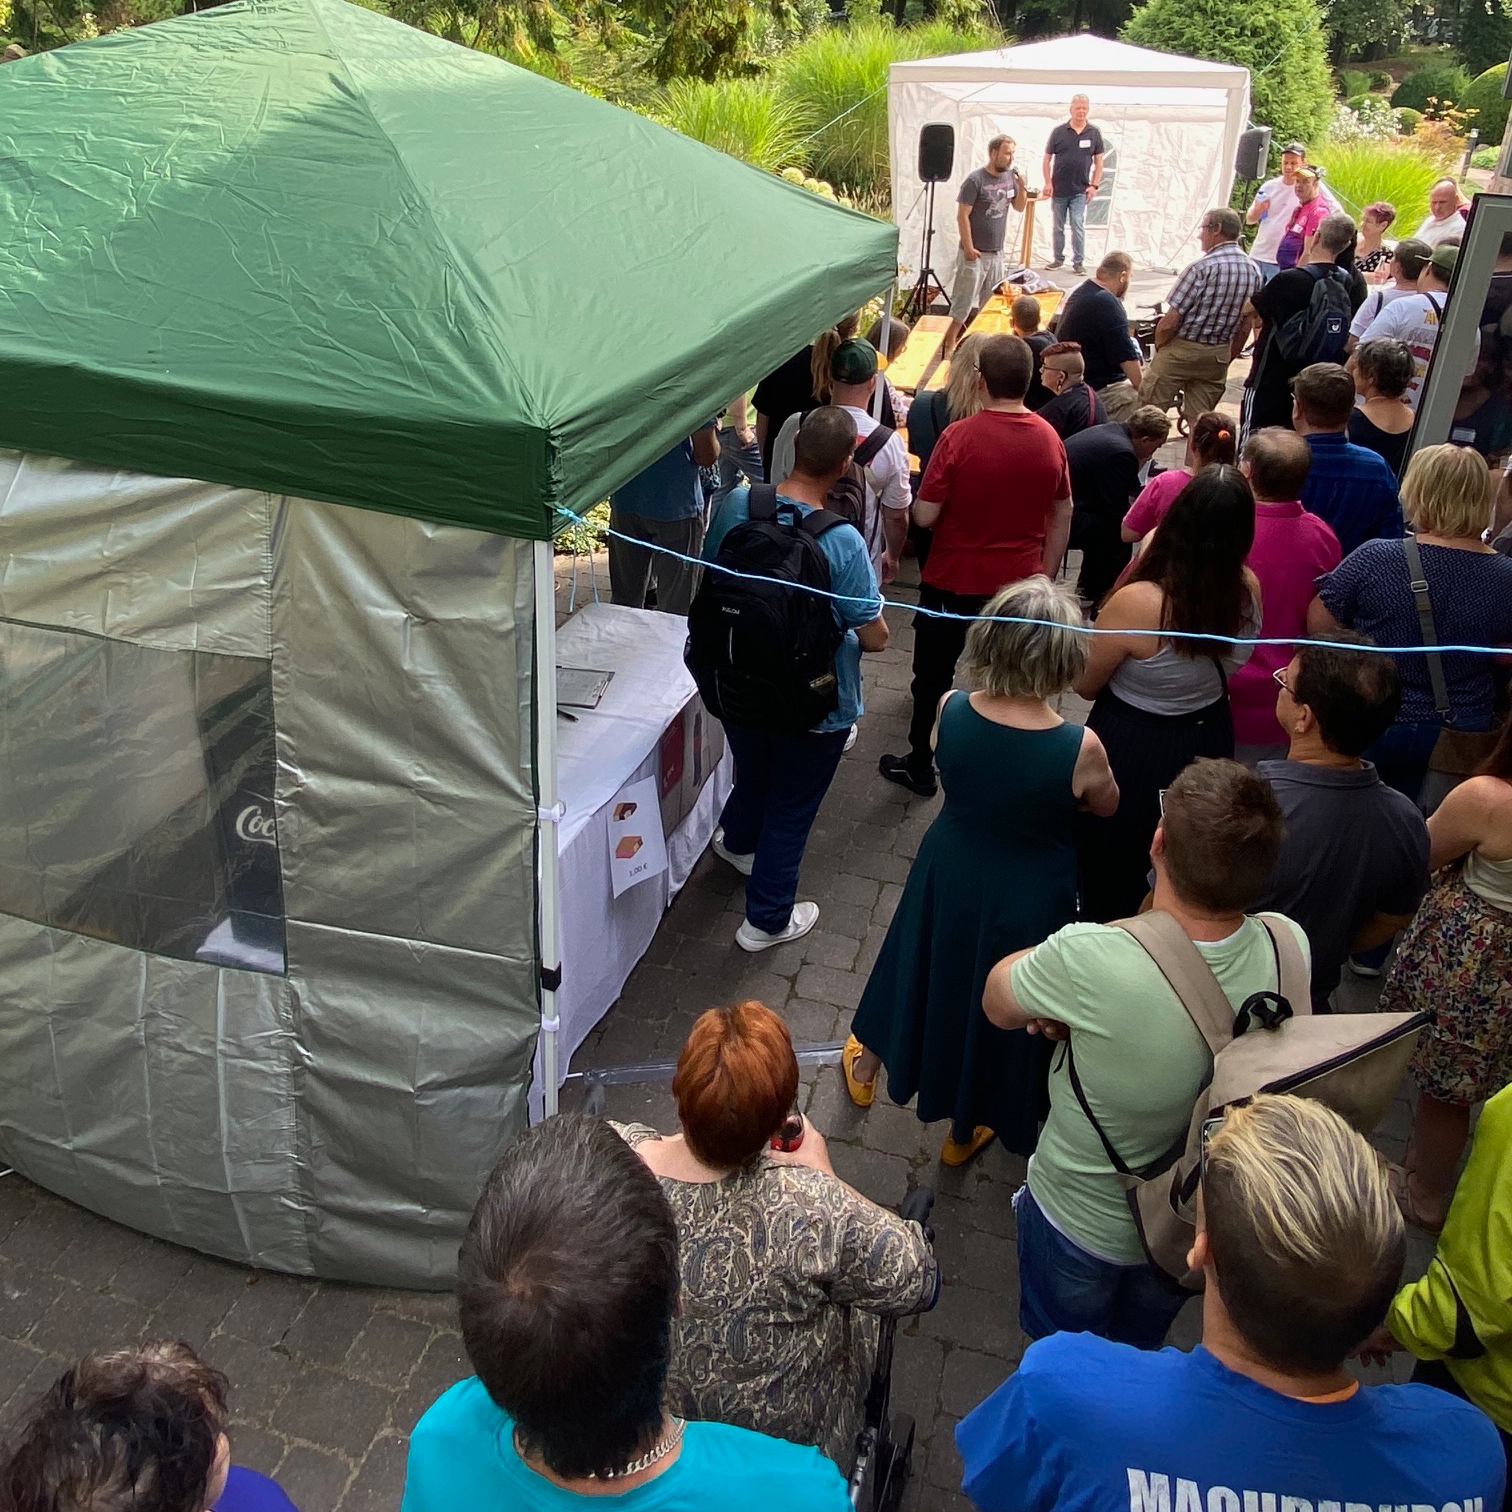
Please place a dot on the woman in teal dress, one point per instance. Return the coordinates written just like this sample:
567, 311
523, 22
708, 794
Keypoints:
996, 873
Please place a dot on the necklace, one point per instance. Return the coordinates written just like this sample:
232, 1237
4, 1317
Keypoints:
657, 1452
651, 1456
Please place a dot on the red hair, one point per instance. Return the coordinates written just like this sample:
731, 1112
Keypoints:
737, 1079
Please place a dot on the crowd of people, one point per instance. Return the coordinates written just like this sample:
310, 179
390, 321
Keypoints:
1294, 756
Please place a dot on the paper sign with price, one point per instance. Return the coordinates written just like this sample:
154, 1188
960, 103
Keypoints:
637, 847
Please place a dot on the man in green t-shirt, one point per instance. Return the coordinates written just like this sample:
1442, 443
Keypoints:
1140, 1058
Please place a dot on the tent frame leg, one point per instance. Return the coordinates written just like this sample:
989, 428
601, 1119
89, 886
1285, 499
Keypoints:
549, 814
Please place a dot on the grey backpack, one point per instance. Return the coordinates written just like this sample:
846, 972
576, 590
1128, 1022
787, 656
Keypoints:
1352, 1062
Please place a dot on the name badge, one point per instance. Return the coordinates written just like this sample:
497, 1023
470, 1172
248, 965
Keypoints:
1085, 142
1461, 436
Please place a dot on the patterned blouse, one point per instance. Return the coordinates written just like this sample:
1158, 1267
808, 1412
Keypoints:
782, 1270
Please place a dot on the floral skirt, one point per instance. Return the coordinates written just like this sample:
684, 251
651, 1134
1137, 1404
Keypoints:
1455, 964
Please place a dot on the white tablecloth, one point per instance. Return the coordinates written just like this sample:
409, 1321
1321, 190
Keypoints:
603, 936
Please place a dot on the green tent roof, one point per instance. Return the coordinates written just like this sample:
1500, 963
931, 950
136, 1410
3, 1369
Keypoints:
295, 245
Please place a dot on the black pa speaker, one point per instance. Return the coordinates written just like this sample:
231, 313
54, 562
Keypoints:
1252, 160
936, 151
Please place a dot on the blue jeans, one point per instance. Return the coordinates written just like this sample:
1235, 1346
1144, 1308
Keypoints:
1073, 209
1401, 755
780, 781
1063, 1289
735, 459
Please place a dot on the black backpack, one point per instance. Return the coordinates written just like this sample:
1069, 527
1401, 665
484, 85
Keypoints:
847, 495
1318, 333
761, 650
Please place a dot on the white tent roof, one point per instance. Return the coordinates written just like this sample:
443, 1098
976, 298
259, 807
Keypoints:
1083, 61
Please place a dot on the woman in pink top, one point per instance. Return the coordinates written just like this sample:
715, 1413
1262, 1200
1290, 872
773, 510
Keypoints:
1292, 549
1212, 440
1313, 207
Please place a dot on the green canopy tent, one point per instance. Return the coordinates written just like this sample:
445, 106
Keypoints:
263, 271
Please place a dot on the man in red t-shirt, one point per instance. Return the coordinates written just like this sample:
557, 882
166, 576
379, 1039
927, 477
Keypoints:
998, 496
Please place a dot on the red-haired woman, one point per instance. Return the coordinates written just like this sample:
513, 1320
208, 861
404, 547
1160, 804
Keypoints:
781, 1261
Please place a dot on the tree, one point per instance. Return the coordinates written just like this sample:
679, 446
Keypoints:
1485, 34
1279, 41
1356, 26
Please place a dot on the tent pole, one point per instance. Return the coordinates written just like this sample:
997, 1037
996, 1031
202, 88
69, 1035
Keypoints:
549, 813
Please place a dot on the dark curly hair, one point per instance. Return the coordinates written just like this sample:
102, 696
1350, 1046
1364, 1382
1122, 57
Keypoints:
134, 1430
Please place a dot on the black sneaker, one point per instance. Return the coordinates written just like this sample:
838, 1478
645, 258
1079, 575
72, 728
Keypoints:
896, 769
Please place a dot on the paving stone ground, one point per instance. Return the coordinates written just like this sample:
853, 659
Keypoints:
329, 1379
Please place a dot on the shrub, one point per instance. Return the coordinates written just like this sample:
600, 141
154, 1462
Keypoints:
1381, 82
1408, 119
747, 118
1485, 34
1358, 173
1484, 97
584, 538
1353, 83
1280, 41
1438, 82
1367, 118
1486, 157
839, 76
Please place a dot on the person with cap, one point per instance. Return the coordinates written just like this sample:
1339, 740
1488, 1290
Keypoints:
884, 466
982, 206
1417, 318
1446, 214
1272, 208
1075, 405
1408, 259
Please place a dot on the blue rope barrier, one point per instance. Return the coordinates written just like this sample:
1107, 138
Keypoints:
880, 605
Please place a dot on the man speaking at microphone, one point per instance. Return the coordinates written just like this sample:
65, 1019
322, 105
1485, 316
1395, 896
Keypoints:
982, 220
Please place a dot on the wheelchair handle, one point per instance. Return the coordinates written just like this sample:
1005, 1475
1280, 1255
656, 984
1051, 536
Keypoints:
918, 1205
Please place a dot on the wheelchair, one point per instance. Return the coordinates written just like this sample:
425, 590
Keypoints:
885, 1444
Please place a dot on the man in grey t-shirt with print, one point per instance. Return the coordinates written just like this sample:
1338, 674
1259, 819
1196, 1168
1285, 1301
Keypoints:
982, 220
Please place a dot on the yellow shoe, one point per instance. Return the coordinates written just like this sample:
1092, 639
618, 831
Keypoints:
861, 1093
954, 1154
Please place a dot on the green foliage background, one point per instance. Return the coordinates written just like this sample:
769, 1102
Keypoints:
1281, 42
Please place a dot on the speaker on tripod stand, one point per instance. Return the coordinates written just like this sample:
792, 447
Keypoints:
936, 159
1252, 158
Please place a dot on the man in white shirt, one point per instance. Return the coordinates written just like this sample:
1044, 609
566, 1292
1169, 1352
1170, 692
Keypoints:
1444, 217
1417, 318
1273, 207
1404, 270
853, 382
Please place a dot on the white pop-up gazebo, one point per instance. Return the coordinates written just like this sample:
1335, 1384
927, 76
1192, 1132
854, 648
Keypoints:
1171, 124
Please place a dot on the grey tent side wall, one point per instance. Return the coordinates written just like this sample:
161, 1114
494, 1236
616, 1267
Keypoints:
332, 1112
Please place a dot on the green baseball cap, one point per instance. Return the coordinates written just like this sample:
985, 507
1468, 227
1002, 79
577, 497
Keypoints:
854, 361
1444, 259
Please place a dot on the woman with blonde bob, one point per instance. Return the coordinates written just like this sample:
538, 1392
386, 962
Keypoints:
1447, 500
784, 1268
933, 409
995, 873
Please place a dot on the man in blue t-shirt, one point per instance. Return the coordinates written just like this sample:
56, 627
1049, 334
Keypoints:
780, 779
662, 506
566, 1285
1301, 1243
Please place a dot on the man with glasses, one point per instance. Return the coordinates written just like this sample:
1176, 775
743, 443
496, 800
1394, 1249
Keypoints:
1354, 854
1074, 405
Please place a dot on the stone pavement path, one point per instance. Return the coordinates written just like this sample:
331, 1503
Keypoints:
328, 1379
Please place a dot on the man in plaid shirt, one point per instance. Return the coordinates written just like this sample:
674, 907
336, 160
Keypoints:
1203, 328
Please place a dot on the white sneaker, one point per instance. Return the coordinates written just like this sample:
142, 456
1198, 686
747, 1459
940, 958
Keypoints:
742, 864
850, 739
802, 919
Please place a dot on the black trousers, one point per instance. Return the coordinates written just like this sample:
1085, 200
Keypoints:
937, 648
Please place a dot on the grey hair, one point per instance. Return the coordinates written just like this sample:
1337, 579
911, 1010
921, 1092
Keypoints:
1336, 232
1028, 661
